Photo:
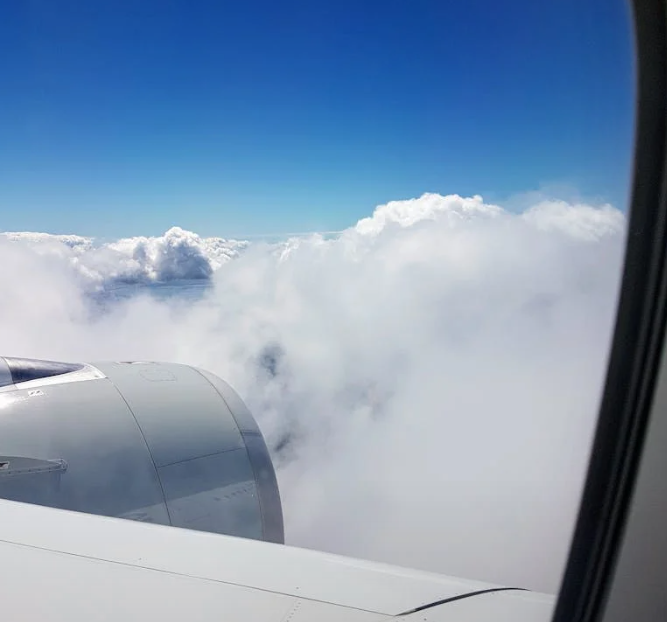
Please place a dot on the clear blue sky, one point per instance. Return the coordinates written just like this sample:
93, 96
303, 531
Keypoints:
247, 117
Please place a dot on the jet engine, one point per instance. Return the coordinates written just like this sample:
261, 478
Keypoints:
154, 442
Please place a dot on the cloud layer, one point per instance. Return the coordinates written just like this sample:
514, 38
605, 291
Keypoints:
428, 380
176, 255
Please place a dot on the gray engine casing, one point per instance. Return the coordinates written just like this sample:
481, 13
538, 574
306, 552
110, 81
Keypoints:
155, 442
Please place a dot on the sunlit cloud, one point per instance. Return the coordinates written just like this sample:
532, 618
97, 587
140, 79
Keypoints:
427, 379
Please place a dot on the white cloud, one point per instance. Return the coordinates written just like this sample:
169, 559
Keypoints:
428, 379
176, 255
427, 207
577, 220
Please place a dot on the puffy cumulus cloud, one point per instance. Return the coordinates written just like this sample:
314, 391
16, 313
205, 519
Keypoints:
176, 255
429, 206
428, 380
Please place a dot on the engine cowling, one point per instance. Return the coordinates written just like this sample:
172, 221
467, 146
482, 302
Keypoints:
154, 442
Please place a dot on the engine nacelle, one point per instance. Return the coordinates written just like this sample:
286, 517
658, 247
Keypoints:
155, 442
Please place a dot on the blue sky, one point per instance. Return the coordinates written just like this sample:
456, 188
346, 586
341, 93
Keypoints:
243, 118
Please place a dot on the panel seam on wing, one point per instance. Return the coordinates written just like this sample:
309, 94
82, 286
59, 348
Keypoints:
187, 575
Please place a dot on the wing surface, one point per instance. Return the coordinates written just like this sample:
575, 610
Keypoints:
69, 566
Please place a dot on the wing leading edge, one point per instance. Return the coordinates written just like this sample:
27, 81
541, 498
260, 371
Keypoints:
62, 565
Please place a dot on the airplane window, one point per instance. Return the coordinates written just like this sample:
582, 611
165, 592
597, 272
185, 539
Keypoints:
376, 248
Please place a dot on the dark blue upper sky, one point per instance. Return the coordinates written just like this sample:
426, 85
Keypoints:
230, 118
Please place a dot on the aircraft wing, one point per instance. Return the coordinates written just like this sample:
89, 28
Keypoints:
70, 566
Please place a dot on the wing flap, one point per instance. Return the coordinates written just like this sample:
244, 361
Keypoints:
498, 606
